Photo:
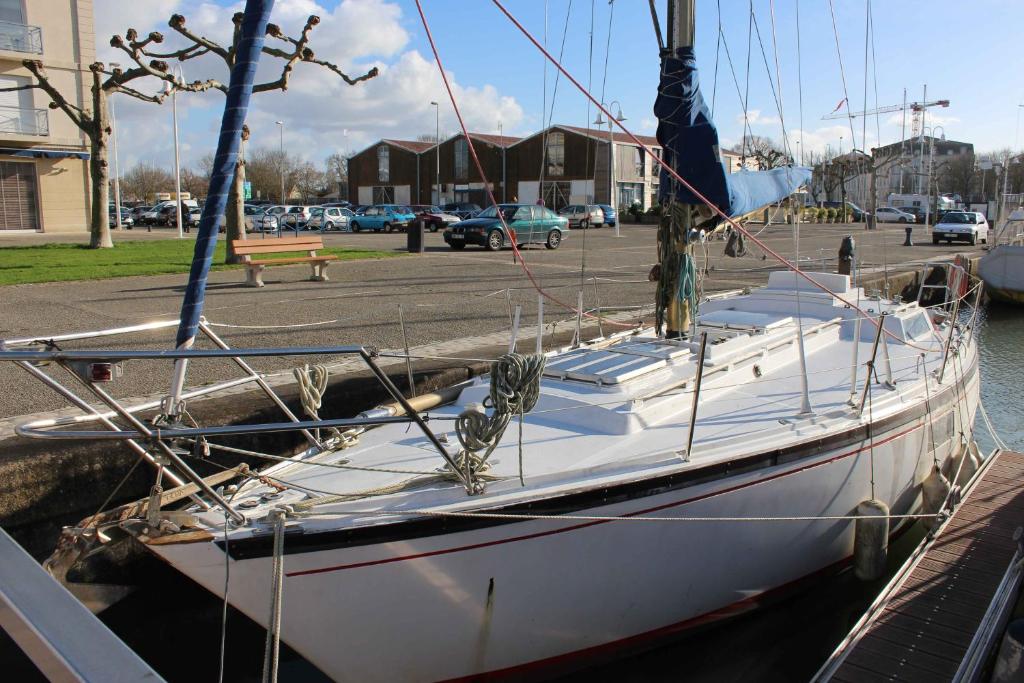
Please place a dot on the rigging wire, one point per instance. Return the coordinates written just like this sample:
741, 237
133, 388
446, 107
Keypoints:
554, 97
778, 78
747, 132
678, 177
842, 73
800, 79
718, 52
480, 169
586, 156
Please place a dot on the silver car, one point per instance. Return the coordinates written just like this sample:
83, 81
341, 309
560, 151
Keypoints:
583, 215
890, 214
328, 218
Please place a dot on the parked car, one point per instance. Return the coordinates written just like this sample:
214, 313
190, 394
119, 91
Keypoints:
529, 222
462, 209
269, 219
961, 225
889, 214
386, 217
436, 218
610, 217
328, 218
296, 216
253, 216
194, 216
138, 212
126, 218
583, 215
358, 209
341, 205
856, 213
918, 213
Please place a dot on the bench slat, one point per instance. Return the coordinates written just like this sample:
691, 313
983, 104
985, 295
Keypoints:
277, 240
278, 250
296, 259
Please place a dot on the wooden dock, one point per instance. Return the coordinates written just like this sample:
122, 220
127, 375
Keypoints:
940, 615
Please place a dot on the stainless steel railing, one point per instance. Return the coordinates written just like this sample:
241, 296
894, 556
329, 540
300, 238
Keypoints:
150, 439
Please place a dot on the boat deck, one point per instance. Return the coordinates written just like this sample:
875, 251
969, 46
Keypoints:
922, 627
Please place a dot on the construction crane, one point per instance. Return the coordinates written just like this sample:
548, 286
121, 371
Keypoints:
916, 109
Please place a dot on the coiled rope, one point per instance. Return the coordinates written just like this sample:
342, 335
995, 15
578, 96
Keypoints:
515, 388
312, 382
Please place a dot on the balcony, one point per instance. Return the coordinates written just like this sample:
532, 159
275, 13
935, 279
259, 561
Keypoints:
16, 37
24, 121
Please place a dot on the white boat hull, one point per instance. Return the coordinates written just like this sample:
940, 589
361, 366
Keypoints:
1002, 270
507, 598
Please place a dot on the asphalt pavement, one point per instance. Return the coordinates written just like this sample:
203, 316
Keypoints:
445, 295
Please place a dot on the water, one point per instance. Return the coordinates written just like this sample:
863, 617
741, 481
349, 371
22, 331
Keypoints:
176, 627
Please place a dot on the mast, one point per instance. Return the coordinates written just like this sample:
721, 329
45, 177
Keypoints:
676, 293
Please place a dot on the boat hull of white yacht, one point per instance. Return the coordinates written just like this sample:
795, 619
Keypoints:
1002, 270
441, 598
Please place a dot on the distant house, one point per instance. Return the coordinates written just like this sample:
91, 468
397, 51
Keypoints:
386, 172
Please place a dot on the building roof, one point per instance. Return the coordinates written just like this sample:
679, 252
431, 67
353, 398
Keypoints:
498, 140
602, 135
415, 146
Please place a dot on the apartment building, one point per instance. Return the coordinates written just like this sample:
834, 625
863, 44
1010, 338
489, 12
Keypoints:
44, 176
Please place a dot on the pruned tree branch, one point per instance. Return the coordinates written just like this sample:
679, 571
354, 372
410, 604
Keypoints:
177, 23
57, 101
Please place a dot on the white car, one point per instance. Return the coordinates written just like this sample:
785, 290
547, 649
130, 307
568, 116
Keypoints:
970, 226
889, 214
329, 218
268, 221
583, 215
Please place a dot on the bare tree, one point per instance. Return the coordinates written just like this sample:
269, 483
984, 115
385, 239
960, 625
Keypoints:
195, 182
337, 171
143, 181
264, 168
309, 181
764, 151
94, 120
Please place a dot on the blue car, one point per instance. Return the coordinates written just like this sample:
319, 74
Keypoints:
530, 223
609, 215
386, 217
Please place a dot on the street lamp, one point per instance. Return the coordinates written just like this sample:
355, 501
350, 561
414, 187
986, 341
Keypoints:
284, 202
177, 157
501, 141
117, 172
437, 150
928, 182
599, 121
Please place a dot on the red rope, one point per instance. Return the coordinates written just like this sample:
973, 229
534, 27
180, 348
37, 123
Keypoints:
487, 187
753, 238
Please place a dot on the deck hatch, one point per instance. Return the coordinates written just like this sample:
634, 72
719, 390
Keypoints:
603, 366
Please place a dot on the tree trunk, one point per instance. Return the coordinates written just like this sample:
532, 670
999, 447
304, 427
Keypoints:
235, 218
99, 171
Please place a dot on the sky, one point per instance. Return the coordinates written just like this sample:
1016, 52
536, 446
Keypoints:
963, 52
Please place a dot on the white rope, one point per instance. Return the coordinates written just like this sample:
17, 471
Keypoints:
991, 430
278, 327
272, 648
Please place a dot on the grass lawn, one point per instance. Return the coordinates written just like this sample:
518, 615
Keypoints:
66, 262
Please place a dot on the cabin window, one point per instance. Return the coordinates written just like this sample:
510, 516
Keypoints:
554, 152
917, 326
461, 159
383, 164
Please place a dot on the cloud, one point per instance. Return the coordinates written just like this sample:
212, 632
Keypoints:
321, 113
756, 118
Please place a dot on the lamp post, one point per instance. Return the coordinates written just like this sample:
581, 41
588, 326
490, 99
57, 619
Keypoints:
284, 201
437, 152
599, 121
928, 181
177, 157
504, 184
117, 172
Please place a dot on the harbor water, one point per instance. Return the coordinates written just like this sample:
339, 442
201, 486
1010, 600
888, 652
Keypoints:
176, 626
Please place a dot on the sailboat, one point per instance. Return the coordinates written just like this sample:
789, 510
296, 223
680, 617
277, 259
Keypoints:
1002, 268
584, 501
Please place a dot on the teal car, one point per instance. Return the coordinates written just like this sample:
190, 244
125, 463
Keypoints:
530, 223
386, 217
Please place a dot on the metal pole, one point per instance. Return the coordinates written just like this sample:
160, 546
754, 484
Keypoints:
871, 363
515, 330
437, 152
611, 176
853, 359
177, 159
949, 339
117, 172
696, 392
408, 359
540, 324
504, 180
284, 201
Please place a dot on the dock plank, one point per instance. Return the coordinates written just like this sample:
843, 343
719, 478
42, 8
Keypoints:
923, 629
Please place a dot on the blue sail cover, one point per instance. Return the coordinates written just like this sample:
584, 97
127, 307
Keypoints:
689, 142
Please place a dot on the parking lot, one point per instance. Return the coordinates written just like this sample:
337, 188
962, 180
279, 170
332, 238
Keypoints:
445, 294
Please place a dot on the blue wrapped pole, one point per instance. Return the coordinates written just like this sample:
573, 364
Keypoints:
243, 73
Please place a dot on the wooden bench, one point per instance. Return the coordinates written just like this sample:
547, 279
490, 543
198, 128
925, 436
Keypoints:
281, 245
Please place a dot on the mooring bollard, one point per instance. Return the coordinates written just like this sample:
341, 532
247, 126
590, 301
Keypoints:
909, 242
846, 252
